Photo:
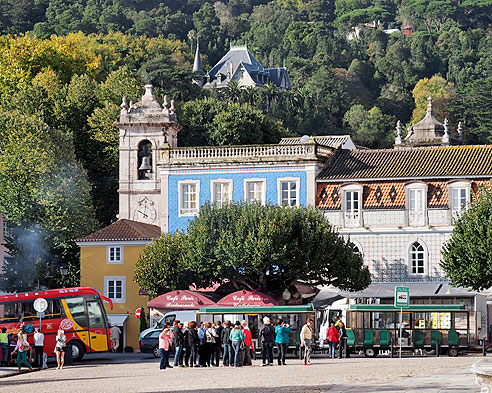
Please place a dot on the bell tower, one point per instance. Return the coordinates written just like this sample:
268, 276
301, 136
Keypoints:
144, 127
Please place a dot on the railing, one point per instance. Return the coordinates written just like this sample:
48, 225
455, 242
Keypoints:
241, 152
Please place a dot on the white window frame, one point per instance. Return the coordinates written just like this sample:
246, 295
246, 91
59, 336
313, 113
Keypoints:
410, 253
416, 217
351, 220
216, 182
188, 212
454, 186
114, 261
282, 180
263, 189
107, 279
5, 229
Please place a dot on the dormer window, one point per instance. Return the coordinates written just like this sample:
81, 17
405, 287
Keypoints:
459, 197
352, 205
416, 204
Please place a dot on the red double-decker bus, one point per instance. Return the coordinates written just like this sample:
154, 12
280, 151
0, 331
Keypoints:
78, 311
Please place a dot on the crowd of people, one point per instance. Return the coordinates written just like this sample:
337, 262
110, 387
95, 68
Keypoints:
231, 345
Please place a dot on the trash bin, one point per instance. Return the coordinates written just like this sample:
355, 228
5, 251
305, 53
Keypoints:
68, 355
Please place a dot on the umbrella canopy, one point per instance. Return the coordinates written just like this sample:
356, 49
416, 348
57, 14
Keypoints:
247, 298
181, 300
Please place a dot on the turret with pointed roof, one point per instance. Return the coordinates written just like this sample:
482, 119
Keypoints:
427, 132
198, 67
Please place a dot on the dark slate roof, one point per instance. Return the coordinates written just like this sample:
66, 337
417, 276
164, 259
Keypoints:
124, 230
276, 75
410, 163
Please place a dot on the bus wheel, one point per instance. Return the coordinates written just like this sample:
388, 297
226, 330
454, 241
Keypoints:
370, 352
156, 352
453, 352
77, 351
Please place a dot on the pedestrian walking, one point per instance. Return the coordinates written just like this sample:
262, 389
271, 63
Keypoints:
307, 340
282, 339
39, 347
22, 348
342, 332
4, 347
179, 343
267, 338
333, 337
218, 342
192, 341
227, 359
248, 345
237, 338
115, 337
165, 339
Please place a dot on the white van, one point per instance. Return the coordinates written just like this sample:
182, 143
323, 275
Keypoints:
171, 316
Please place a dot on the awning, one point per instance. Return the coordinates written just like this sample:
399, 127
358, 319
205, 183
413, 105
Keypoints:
117, 319
181, 300
247, 299
305, 308
381, 290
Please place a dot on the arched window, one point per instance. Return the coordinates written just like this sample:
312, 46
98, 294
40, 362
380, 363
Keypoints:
356, 247
417, 258
144, 160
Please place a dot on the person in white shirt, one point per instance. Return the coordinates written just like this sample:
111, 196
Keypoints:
115, 337
39, 346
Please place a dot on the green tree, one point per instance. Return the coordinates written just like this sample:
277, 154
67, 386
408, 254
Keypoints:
270, 247
467, 256
162, 266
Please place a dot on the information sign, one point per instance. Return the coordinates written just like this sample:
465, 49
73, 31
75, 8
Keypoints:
40, 304
402, 297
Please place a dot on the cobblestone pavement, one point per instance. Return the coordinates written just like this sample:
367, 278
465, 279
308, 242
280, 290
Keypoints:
140, 373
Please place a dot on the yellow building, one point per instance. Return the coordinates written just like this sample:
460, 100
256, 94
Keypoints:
107, 263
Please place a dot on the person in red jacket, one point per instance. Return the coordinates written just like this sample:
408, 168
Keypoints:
333, 337
248, 344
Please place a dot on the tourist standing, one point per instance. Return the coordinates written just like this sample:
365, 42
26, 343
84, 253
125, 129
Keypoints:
179, 343
282, 339
218, 342
115, 337
165, 339
209, 345
39, 346
307, 340
342, 332
248, 345
237, 338
227, 359
4, 347
267, 338
61, 342
333, 337
191, 340
22, 348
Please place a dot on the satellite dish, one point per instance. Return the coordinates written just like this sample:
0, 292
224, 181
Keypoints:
304, 138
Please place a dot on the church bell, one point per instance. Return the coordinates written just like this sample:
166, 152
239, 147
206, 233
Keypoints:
145, 164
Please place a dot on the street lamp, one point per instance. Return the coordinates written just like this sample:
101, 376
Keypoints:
63, 270
286, 295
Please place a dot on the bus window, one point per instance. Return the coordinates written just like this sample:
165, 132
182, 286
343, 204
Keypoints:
460, 320
10, 312
28, 313
384, 320
422, 320
367, 320
54, 310
96, 320
77, 309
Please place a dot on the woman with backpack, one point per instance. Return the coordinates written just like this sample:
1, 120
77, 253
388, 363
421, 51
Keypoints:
22, 348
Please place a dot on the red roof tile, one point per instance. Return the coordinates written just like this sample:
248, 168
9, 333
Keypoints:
124, 230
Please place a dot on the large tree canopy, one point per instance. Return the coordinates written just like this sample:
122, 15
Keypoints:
467, 257
255, 246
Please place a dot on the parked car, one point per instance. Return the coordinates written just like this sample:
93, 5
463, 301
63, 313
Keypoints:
149, 341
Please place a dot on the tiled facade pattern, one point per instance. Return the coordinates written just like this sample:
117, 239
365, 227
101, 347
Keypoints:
387, 254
